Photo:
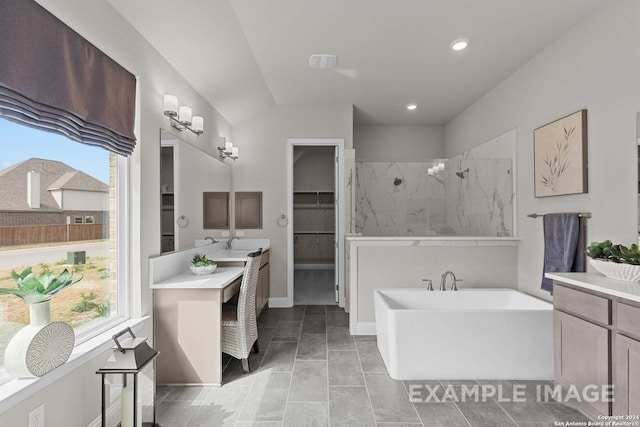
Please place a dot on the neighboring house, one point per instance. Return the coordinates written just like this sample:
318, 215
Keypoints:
39, 196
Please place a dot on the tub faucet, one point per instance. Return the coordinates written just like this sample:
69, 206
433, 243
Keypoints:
227, 246
429, 284
444, 280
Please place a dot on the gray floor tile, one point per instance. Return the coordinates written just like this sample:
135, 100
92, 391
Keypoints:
398, 424
287, 330
424, 391
186, 394
264, 337
338, 338
258, 424
292, 313
485, 414
370, 357
389, 399
366, 337
233, 373
314, 325
161, 392
267, 398
312, 347
279, 356
220, 407
349, 407
306, 414
537, 425
344, 368
269, 318
337, 318
309, 382
564, 412
174, 413
529, 411
316, 310
459, 382
440, 415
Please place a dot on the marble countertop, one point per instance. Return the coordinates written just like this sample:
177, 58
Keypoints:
600, 283
219, 279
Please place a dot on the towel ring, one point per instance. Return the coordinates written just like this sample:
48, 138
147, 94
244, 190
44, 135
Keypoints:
283, 221
182, 221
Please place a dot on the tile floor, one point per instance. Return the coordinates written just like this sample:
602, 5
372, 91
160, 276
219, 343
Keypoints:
311, 372
314, 286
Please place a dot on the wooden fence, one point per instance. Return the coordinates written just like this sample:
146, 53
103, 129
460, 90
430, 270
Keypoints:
34, 234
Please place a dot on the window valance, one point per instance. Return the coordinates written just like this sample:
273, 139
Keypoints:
52, 78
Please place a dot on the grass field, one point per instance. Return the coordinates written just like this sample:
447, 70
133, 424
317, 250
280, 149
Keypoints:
77, 305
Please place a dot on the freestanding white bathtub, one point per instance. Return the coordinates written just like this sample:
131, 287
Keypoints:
468, 334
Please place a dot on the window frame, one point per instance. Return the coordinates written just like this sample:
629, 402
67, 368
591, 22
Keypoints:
88, 332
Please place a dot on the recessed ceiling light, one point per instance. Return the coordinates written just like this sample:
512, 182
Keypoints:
322, 61
412, 107
459, 44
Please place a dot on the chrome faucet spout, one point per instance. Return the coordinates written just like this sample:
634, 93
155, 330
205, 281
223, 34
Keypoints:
228, 244
443, 282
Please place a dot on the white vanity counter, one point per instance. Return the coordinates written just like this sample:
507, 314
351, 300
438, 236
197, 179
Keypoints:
222, 277
600, 283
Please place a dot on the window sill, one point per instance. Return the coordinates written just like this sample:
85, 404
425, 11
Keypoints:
17, 390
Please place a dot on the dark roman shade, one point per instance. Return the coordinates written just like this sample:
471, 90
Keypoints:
53, 79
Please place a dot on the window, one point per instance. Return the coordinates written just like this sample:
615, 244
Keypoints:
59, 210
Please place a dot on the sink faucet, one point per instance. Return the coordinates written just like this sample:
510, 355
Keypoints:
227, 247
429, 284
444, 280
211, 238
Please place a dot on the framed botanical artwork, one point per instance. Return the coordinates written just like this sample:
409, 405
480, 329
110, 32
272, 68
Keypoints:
560, 156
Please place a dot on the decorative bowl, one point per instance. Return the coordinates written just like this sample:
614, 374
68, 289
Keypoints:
203, 270
617, 271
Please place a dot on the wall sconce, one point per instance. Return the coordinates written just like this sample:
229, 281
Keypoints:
181, 117
228, 150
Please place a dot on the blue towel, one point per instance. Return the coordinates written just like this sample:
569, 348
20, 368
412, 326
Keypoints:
564, 242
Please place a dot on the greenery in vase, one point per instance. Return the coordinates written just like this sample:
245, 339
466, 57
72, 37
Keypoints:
617, 253
33, 289
201, 260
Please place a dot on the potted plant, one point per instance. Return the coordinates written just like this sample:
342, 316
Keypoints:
37, 291
615, 261
201, 265
42, 345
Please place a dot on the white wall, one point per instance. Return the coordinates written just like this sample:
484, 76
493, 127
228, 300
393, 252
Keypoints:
314, 169
398, 143
262, 166
74, 400
595, 66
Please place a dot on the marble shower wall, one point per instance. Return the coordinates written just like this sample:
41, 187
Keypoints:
401, 199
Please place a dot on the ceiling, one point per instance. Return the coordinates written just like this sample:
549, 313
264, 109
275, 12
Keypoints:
246, 55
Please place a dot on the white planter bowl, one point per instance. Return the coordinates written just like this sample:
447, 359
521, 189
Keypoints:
203, 270
613, 270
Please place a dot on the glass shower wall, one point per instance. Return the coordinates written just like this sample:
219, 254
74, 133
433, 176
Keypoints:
462, 197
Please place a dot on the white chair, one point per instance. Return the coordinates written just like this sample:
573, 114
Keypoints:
239, 325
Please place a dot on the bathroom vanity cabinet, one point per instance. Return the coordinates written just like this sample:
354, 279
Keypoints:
597, 340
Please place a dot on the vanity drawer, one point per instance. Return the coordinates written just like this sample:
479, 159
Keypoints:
628, 318
231, 290
591, 307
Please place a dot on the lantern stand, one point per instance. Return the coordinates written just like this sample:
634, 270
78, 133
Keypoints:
129, 357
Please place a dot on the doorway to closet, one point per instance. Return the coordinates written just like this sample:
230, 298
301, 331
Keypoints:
314, 229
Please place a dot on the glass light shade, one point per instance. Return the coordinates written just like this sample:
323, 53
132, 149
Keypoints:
198, 124
234, 152
228, 146
184, 115
430, 171
440, 167
170, 105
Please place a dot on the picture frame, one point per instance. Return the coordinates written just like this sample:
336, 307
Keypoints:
560, 156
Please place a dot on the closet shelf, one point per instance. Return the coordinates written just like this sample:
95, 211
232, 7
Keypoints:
313, 206
313, 232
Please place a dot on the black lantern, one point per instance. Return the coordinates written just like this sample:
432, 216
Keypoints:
130, 371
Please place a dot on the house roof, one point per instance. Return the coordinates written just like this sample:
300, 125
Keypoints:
54, 175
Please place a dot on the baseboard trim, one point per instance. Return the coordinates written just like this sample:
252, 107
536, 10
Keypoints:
366, 328
282, 302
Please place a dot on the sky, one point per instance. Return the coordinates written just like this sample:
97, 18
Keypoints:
19, 143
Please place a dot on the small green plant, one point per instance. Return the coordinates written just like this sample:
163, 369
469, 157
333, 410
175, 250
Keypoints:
103, 309
201, 260
33, 289
86, 304
616, 253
